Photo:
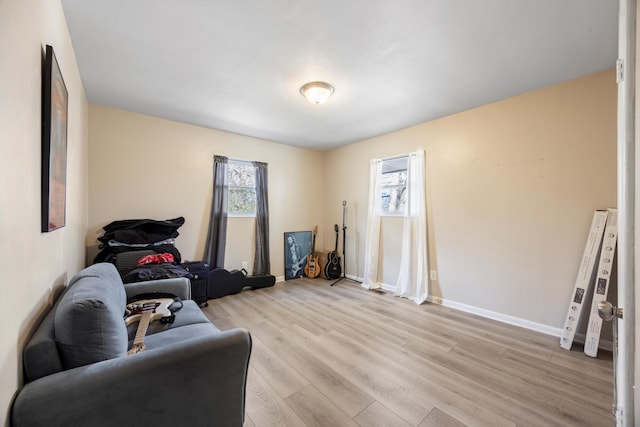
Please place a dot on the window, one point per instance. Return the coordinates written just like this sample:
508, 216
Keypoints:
242, 188
393, 188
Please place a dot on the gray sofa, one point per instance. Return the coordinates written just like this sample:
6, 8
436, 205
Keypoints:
77, 371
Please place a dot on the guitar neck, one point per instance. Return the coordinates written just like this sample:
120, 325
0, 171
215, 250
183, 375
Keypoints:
138, 340
313, 247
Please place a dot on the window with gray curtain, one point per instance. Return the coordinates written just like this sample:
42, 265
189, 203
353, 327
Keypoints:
217, 233
261, 260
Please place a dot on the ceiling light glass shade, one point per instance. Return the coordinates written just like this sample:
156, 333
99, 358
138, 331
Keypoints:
316, 92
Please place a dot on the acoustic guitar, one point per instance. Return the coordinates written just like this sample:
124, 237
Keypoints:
333, 270
312, 268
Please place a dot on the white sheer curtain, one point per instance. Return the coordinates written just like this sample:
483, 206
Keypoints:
372, 242
413, 279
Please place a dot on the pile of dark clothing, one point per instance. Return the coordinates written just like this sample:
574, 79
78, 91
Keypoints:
131, 237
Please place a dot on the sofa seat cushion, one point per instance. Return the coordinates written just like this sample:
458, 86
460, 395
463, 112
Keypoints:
89, 323
175, 335
189, 314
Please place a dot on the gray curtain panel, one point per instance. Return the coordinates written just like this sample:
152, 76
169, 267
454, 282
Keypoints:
261, 261
217, 234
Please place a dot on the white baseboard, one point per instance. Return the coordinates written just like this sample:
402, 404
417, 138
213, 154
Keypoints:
349, 276
500, 317
516, 321
505, 318
355, 278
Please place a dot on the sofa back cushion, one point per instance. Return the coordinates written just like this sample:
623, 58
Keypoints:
89, 324
40, 356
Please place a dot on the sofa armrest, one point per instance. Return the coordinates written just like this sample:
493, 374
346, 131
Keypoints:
180, 286
195, 382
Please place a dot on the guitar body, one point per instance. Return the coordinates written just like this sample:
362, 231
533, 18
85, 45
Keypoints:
161, 311
333, 270
312, 268
145, 312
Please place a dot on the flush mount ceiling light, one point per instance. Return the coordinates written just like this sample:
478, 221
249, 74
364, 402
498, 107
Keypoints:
316, 92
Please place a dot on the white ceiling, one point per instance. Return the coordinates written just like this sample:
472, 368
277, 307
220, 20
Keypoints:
237, 65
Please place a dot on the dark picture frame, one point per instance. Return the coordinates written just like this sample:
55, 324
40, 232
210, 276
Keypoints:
55, 100
297, 246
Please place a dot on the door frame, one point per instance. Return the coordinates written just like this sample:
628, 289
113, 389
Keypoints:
626, 371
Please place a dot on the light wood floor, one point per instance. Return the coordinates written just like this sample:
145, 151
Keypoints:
345, 356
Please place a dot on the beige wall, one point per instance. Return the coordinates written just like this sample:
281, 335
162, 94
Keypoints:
33, 265
145, 167
511, 187
511, 191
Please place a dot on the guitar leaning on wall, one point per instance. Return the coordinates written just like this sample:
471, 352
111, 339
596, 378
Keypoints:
312, 268
333, 270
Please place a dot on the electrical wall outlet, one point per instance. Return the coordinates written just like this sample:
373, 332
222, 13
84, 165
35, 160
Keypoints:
434, 275
245, 264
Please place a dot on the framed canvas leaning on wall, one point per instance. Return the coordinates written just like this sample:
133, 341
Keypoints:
297, 246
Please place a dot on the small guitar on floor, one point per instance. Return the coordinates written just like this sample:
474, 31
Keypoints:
333, 270
312, 268
145, 312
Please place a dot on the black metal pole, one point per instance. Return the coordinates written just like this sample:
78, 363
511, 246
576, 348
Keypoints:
344, 242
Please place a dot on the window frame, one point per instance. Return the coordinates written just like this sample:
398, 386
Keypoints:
230, 188
394, 165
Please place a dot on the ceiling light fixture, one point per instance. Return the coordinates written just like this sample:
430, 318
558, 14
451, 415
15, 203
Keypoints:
316, 92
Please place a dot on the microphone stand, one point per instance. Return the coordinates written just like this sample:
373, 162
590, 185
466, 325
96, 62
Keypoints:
344, 244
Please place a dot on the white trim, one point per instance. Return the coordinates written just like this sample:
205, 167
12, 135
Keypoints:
500, 317
516, 321
504, 318
625, 369
279, 279
233, 159
398, 156
388, 288
241, 215
356, 278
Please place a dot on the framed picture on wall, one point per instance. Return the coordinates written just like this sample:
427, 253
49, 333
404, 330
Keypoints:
54, 144
297, 246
